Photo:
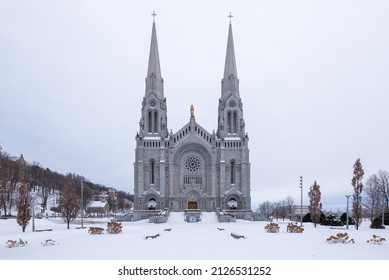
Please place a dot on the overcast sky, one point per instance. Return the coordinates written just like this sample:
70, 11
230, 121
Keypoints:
314, 81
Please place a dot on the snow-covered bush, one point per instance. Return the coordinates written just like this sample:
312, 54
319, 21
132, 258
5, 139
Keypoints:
376, 240
331, 220
272, 227
340, 238
114, 227
95, 230
15, 243
49, 242
294, 228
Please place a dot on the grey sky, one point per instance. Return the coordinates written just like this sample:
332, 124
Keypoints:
313, 81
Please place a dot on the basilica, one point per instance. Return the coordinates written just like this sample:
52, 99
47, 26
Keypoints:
191, 168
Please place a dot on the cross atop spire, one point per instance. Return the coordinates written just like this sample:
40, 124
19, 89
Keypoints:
230, 16
154, 15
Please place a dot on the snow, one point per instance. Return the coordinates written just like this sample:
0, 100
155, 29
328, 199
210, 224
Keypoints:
186, 241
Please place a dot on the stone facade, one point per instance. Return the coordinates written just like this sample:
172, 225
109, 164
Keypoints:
192, 168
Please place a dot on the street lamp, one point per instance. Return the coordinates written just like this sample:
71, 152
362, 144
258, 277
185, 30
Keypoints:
33, 212
348, 196
301, 205
82, 202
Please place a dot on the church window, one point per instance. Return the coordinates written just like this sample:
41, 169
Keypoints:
235, 117
192, 164
232, 172
229, 122
150, 122
155, 122
152, 171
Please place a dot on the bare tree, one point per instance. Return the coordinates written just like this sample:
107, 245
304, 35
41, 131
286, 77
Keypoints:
24, 207
383, 177
315, 204
283, 209
9, 177
356, 182
289, 203
69, 203
373, 200
266, 209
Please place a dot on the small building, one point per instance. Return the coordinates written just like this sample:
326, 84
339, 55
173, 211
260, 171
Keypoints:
99, 207
296, 212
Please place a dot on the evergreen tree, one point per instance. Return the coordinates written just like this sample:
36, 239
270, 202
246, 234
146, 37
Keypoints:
315, 205
356, 182
24, 207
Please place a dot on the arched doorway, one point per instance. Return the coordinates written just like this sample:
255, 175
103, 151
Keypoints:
192, 205
193, 199
232, 204
151, 204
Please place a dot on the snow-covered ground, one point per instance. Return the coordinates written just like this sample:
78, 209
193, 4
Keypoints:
187, 241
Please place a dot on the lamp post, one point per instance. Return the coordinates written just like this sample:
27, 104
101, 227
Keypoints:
383, 216
348, 196
301, 202
33, 212
82, 203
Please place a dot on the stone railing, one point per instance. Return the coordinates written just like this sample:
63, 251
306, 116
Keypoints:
224, 217
144, 214
192, 215
161, 217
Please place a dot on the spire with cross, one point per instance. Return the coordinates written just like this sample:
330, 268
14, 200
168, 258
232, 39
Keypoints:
154, 15
230, 16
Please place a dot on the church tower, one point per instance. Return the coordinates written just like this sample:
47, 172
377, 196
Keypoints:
230, 121
154, 118
150, 153
191, 168
234, 165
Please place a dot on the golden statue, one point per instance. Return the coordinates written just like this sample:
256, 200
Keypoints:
191, 111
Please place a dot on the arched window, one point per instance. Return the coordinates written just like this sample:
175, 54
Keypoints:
229, 122
155, 122
232, 172
152, 171
150, 122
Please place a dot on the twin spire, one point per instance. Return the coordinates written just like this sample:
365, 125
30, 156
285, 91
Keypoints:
154, 81
230, 82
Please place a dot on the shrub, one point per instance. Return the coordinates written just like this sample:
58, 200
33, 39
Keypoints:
14, 243
114, 227
95, 230
294, 228
377, 223
376, 240
340, 238
343, 218
272, 227
331, 220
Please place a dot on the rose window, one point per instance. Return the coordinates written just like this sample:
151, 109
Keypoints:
192, 164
